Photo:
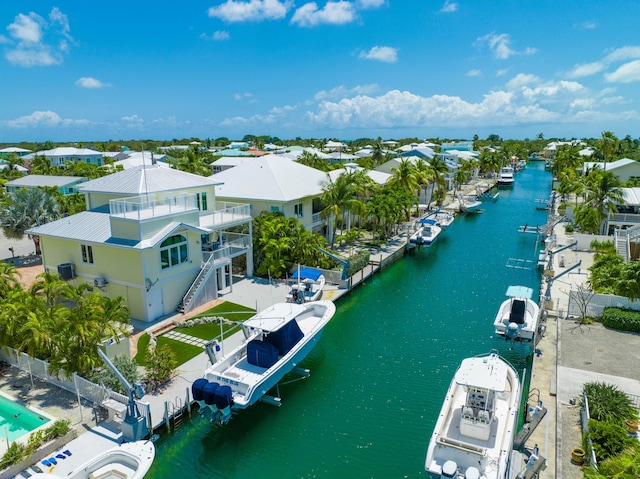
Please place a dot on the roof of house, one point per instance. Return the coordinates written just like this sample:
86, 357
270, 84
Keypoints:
32, 181
146, 179
232, 160
13, 149
379, 177
631, 196
94, 226
270, 178
67, 151
589, 165
142, 158
423, 152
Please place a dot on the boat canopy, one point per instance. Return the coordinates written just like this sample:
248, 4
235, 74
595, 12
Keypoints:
307, 273
274, 317
427, 221
519, 292
488, 372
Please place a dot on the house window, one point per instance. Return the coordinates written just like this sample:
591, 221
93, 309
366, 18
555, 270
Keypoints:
201, 199
275, 209
87, 253
297, 209
173, 251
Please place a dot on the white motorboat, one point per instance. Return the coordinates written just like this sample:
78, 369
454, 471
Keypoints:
517, 318
470, 204
427, 233
130, 460
273, 342
474, 433
443, 219
505, 176
308, 286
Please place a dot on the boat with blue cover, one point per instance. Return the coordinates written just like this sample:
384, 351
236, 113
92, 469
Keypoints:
308, 285
518, 316
427, 232
273, 343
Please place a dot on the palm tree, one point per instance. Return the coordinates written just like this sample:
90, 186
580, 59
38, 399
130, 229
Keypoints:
603, 193
9, 279
30, 207
608, 144
406, 177
40, 165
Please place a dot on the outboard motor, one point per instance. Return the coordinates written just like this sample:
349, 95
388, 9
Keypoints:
197, 390
449, 470
512, 330
209, 396
471, 473
224, 400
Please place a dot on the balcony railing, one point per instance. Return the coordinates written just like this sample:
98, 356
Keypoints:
226, 213
152, 205
624, 218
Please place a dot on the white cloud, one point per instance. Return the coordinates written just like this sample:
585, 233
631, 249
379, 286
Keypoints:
587, 25
522, 79
500, 44
474, 73
34, 41
342, 91
627, 73
382, 54
624, 74
217, 36
91, 83
334, 13
245, 96
251, 11
44, 119
502, 72
369, 3
449, 7
586, 69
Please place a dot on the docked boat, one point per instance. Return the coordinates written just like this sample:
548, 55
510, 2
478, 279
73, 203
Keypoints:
427, 233
130, 460
443, 219
474, 433
505, 176
490, 195
273, 343
517, 318
308, 286
470, 204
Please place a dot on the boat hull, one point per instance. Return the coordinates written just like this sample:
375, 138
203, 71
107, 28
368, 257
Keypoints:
523, 329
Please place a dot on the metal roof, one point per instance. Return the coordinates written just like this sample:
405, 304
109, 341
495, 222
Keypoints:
146, 179
44, 180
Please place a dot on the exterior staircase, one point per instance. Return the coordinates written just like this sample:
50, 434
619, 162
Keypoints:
200, 280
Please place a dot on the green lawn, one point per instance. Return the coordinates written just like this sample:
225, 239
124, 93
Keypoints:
185, 352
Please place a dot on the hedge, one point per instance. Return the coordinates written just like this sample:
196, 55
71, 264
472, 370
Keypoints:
621, 319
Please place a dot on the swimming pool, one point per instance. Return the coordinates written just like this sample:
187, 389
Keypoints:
17, 420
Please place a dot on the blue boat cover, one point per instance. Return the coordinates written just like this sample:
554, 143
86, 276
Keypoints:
197, 388
224, 397
427, 221
286, 337
209, 393
307, 273
261, 353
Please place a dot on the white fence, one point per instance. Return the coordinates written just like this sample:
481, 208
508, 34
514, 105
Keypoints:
594, 304
94, 393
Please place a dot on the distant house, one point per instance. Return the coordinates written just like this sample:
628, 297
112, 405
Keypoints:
625, 169
65, 184
457, 145
154, 236
67, 154
378, 177
133, 159
420, 152
275, 183
335, 146
226, 162
4, 152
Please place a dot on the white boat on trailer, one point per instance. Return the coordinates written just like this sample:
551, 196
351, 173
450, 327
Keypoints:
274, 342
474, 433
427, 232
470, 204
130, 460
518, 316
443, 218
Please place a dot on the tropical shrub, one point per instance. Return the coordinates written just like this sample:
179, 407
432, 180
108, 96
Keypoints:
358, 261
621, 319
161, 363
607, 403
127, 367
625, 465
569, 228
17, 451
609, 439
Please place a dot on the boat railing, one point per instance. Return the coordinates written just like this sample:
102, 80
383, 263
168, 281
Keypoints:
463, 446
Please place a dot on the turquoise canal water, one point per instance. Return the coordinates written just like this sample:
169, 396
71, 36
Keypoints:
381, 370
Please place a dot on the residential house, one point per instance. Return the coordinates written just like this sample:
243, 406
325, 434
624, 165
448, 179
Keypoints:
4, 152
65, 184
625, 169
156, 236
67, 154
275, 183
226, 162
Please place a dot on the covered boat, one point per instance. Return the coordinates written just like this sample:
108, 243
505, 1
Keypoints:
272, 344
518, 316
474, 433
308, 286
427, 232
505, 176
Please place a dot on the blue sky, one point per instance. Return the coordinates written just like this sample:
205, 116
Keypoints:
81, 71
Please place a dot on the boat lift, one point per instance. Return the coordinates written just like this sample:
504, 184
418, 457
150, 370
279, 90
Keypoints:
134, 425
